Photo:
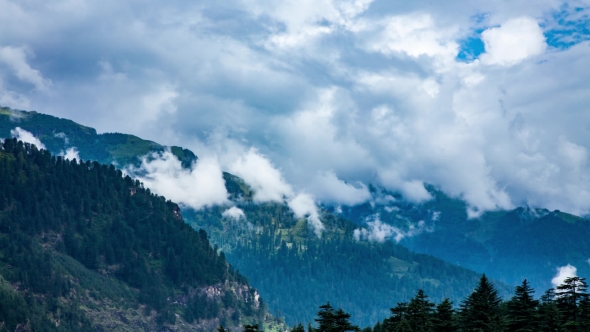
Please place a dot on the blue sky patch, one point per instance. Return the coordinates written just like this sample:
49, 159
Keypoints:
471, 48
568, 27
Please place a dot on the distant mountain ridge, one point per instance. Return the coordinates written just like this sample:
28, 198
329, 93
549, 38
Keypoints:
255, 245
507, 245
60, 134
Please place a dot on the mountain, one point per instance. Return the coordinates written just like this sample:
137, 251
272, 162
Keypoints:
60, 134
296, 271
84, 248
507, 245
306, 271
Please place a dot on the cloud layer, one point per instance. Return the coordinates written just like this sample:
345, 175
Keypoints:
26, 137
564, 272
336, 95
200, 186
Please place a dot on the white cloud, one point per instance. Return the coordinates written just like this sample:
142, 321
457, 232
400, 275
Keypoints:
379, 232
266, 181
234, 213
514, 41
303, 205
26, 136
329, 188
71, 154
268, 185
16, 59
414, 35
369, 91
201, 186
563, 273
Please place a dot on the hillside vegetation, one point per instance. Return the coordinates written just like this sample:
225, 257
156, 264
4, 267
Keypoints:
296, 271
84, 248
506, 245
60, 134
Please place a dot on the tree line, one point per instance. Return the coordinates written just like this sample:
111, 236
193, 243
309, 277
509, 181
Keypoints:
565, 308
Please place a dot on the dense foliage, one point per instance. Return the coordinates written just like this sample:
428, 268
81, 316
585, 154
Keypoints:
295, 271
507, 245
565, 309
76, 235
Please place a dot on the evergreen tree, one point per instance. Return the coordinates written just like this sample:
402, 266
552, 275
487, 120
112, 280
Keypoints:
548, 313
480, 311
569, 296
522, 309
419, 312
342, 322
330, 320
585, 314
443, 319
398, 319
325, 318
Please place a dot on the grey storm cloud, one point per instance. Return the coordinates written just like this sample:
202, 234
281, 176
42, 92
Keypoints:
337, 95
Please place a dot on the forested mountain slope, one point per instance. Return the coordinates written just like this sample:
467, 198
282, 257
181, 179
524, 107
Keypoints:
60, 134
507, 245
84, 248
296, 271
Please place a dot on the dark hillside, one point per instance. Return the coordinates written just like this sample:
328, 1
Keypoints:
84, 248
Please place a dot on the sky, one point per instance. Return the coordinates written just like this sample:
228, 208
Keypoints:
315, 100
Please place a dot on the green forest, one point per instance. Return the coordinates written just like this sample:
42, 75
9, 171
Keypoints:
83, 247
295, 271
508, 245
565, 308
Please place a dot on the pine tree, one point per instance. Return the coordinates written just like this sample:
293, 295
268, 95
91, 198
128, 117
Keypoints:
420, 311
342, 322
522, 309
398, 318
549, 315
569, 296
584, 316
330, 320
480, 311
443, 320
325, 318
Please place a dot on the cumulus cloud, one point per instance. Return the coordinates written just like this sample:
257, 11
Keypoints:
379, 232
268, 185
371, 92
329, 188
200, 186
303, 205
234, 213
266, 181
26, 136
16, 59
563, 273
512, 42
